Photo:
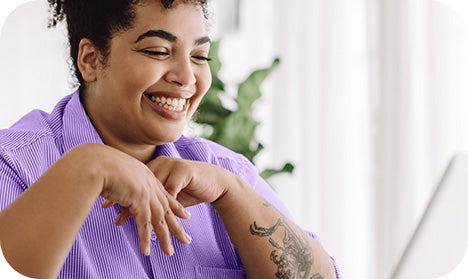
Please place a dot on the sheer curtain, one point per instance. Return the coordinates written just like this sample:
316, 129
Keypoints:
317, 111
368, 103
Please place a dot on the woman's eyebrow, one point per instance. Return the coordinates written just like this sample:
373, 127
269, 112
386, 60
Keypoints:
169, 37
202, 40
157, 33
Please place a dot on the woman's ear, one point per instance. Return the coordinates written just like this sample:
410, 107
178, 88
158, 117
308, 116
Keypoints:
87, 60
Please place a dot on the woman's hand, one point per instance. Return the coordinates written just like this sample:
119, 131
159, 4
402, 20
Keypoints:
191, 182
133, 186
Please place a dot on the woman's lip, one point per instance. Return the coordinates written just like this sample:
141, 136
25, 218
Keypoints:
170, 94
167, 112
174, 104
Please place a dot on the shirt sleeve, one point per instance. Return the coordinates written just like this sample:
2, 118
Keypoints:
11, 185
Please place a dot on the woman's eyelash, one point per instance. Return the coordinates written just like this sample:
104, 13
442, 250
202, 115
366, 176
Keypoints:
202, 58
162, 53
151, 52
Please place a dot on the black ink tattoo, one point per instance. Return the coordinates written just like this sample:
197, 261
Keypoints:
294, 256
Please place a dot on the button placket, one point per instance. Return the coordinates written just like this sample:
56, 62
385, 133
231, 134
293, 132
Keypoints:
153, 238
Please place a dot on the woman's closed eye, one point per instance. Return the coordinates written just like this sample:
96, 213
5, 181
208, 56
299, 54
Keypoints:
201, 59
159, 54
162, 54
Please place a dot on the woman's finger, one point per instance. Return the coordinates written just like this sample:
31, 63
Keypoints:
171, 176
123, 216
159, 210
107, 203
143, 222
177, 208
175, 227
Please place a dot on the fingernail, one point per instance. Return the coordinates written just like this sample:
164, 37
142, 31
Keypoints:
118, 220
147, 251
106, 203
188, 237
171, 250
188, 213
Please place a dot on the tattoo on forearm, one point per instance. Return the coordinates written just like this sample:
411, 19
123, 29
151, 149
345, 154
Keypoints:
293, 256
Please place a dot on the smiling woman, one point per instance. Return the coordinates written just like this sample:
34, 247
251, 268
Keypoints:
168, 62
106, 185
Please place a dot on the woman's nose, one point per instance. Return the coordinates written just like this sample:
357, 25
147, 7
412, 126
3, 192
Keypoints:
181, 72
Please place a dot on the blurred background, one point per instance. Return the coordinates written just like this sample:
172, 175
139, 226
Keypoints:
369, 102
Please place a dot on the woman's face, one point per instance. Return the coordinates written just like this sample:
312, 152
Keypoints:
154, 78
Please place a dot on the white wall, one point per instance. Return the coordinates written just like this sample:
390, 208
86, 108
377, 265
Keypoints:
33, 68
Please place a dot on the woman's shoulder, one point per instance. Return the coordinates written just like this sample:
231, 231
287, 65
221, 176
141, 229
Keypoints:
202, 146
202, 149
25, 131
34, 127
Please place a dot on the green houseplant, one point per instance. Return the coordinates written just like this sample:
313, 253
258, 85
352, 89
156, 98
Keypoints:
235, 128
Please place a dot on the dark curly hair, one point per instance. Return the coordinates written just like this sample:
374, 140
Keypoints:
99, 21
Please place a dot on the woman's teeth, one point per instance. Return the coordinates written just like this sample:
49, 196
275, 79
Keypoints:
174, 104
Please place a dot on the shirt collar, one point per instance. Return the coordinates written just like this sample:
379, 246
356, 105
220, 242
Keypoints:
77, 127
168, 150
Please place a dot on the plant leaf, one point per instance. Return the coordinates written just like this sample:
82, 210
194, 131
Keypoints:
236, 132
267, 173
211, 110
249, 90
215, 63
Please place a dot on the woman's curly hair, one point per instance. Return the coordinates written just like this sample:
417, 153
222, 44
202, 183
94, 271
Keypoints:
99, 21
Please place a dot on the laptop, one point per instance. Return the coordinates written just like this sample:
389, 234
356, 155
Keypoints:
440, 240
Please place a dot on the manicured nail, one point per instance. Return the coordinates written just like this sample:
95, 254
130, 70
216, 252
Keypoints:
147, 251
188, 213
188, 237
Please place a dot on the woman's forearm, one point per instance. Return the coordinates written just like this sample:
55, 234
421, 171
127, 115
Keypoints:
268, 243
38, 229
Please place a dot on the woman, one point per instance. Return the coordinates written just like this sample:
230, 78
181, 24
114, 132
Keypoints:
113, 153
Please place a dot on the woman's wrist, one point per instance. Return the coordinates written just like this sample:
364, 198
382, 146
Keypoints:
234, 190
90, 163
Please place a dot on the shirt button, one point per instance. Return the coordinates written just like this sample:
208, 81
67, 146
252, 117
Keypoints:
153, 237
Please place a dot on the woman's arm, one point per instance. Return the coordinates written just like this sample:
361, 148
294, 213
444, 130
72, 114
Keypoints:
268, 243
266, 240
38, 229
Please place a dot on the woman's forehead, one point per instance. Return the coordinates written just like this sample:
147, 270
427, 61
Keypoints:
183, 22
182, 15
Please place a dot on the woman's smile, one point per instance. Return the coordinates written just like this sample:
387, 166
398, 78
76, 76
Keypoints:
171, 108
173, 104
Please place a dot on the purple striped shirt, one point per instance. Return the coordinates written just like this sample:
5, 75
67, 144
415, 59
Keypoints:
101, 249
